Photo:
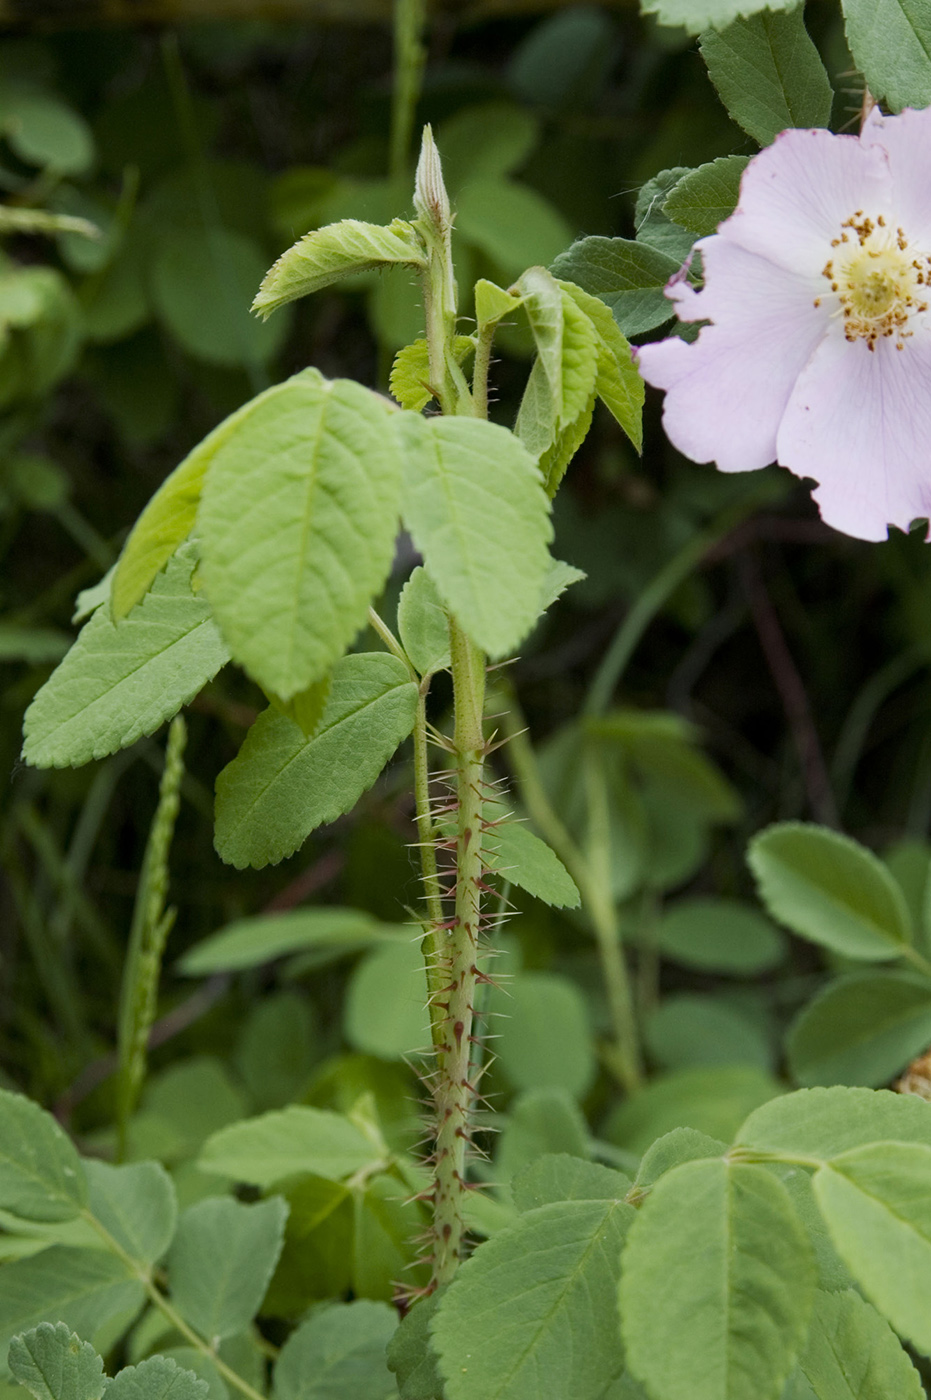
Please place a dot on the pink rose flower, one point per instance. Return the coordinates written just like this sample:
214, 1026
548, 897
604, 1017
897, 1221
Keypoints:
818, 354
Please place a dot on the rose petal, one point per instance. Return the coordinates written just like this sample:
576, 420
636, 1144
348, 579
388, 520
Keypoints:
726, 393
859, 422
906, 140
796, 194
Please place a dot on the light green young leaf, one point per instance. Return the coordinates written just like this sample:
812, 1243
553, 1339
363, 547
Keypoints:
548, 1042
721, 1245
555, 460
410, 373
122, 680
298, 519
618, 383
476, 508
543, 304
169, 517
511, 223
93, 1293
555, 411
705, 197
492, 303
158, 1378
822, 1122
281, 785
891, 45
221, 1260
526, 861
422, 624
558, 1177
338, 1353
136, 1204
53, 1363
629, 277
540, 1295
90, 599
40, 1171
853, 1353
877, 1203
329, 254
307, 707
254, 942
290, 1142
831, 890
861, 1029
768, 74
559, 577
696, 15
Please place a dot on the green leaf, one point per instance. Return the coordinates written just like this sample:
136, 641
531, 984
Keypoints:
629, 277
201, 281
34, 645
705, 197
306, 708
853, 1353
540, 1297
618, 383
655, 227
158, 1378
278, 1048
485, 142
254, 942
513, 851
877, 1203
475, 506
891, 45
768, 74
294, 1141
281, 785
553, 420
40, 1171
822, 1122
221, 1261
559, 577
720, 935
423, 624
671, 1150
91, 1292
385, 1008
122, 680
542, 300
329, 254
696, 15
492, 303
831, 890
411, 1356
511, 223
558, 1177
410, 374
862, 1029
45, 131
548, 1040
338, 1354
720, 1244
714, 1100
691, 1029
540, 1121
298, 520
136, 1204
55, 1364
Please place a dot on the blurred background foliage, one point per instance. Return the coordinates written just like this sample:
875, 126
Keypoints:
771, 668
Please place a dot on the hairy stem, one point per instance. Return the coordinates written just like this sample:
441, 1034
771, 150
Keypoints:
432, 944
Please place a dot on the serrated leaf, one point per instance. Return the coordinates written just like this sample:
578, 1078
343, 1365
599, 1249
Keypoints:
122, 680
831, 890
543, 305
40, 1171
169, 517
338, 1354
555, 460
672, 1150
475, 506
86, 1289
891, 45
861, 1029
281, 785
540, 1295
289, 1142
253, 942
618, 383
158, 1378
559, 577
721, 1244
696, 15
221, 1261
135, 1204
492, 303
307, 707
768, 73
853, 1354
822, 1122
329, 254
558, 1177
423, 624
877, 1203
705, 197
411, 1356
298, 519
410, 374
54, 1364
522, 858
629, 277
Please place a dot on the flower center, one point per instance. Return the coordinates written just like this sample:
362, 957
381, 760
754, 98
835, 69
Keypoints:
880, 283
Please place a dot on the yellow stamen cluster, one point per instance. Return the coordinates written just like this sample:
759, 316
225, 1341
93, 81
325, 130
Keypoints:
879, 283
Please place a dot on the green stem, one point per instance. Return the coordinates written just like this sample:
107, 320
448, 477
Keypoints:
483, 347
432, 944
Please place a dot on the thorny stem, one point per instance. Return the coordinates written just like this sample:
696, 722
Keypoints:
483, 346
432, 941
